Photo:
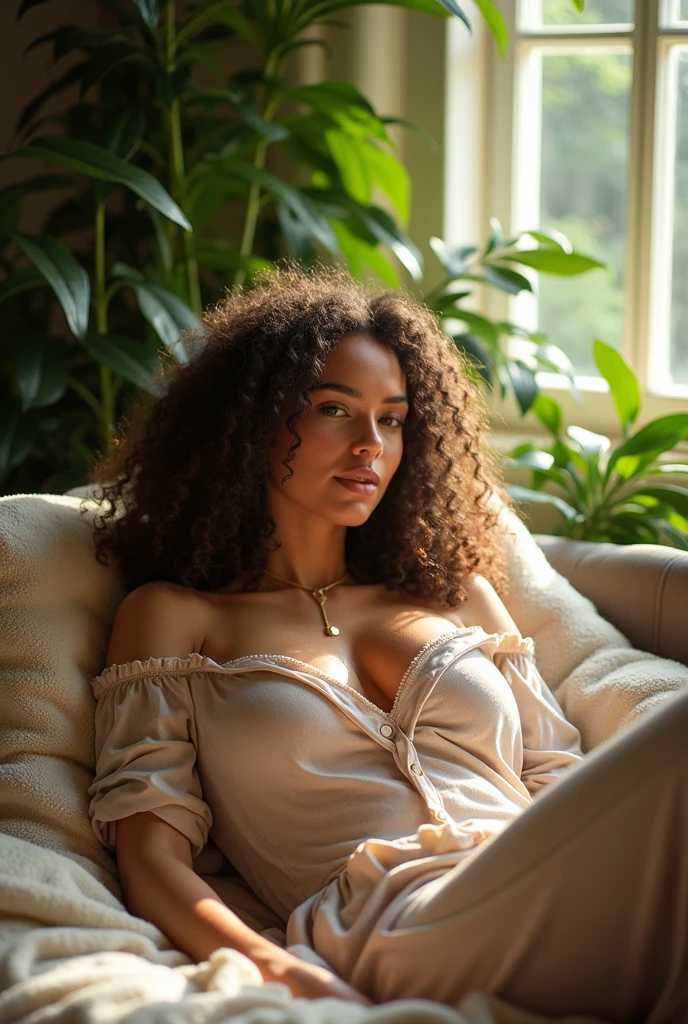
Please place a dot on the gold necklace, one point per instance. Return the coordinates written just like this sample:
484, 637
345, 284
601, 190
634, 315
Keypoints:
318, 594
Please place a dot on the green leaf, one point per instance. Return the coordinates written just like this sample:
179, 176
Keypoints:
646, 444
495, 23
148, 9
66, 80
590, 443
454, 260
509, 281
623, 383
477, 324
220, 11
297, 201
523, 382
98, 163
670, 494
443, 8
344, 105
552, 261
21, 281
548, 411
126, 132
535, 458
390, 175
347, 153
64, 274
18, 431
41, 368
379, 222
124, 356
552, 238
167, 314
542, 497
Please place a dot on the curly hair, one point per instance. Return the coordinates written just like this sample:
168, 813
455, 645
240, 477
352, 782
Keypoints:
183, 495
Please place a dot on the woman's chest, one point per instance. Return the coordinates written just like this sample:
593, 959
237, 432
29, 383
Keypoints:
379, 634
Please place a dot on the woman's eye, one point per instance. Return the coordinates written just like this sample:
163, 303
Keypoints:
337, 408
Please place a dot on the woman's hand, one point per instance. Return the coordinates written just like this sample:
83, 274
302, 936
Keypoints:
305, 980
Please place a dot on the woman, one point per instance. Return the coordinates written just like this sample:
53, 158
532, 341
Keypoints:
317, 665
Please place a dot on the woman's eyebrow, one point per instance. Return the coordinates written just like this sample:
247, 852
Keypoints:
345, 389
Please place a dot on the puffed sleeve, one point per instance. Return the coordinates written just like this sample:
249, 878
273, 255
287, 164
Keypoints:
551, 744
146, 742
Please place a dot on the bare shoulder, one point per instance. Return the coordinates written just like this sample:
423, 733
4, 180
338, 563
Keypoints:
483, 607
156, 620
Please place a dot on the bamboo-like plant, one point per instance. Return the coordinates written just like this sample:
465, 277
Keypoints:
149, 164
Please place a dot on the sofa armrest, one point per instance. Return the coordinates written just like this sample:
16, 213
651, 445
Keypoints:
642, 589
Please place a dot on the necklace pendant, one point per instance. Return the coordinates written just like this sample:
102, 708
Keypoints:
332, 631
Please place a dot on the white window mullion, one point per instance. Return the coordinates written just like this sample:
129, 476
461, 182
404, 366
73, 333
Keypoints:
637, 331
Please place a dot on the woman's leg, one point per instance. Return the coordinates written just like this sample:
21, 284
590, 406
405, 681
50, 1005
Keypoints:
579, 906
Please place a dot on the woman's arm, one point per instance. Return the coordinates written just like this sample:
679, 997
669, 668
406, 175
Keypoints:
160, 885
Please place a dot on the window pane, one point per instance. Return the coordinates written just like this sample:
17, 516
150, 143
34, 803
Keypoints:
562, 12
679, 292
585, 148
675, 13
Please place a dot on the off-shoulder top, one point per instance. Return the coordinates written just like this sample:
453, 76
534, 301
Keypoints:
288, 769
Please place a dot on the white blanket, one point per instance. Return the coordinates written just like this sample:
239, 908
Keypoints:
68, 947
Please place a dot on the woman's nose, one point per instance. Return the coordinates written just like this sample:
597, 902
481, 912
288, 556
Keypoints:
369, 438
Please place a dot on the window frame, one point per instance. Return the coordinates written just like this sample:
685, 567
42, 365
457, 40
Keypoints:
648, 242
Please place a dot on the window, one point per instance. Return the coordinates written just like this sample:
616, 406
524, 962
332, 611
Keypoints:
588, 132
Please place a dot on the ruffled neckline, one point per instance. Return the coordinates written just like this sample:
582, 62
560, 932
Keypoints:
508, 642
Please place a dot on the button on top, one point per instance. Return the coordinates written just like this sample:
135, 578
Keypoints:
416, 768
387, 731
441, 815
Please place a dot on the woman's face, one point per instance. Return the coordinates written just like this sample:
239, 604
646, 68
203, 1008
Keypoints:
354, 422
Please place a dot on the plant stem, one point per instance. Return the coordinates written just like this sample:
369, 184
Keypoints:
106, 397
177, 171
253, 202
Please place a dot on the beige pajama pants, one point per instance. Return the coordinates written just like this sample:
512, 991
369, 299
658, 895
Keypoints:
580, 906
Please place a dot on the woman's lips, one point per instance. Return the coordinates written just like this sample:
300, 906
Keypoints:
357, 486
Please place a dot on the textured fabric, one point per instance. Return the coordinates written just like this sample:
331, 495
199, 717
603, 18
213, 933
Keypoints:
290, 771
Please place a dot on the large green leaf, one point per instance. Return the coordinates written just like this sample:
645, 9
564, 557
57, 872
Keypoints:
528, 494
623, 383
167, 314
124, 356
70, 76
390, 175
646, 444
360, 254
41, 369
669, 494
348, 155
298, 202
99, 163
509, 281
148, 9
18, 431
64, 274
523, 382
495, 23
548, 411
443, 8
554, 261
344, 105
453, 259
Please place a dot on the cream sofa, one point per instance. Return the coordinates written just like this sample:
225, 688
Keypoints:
611, 644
